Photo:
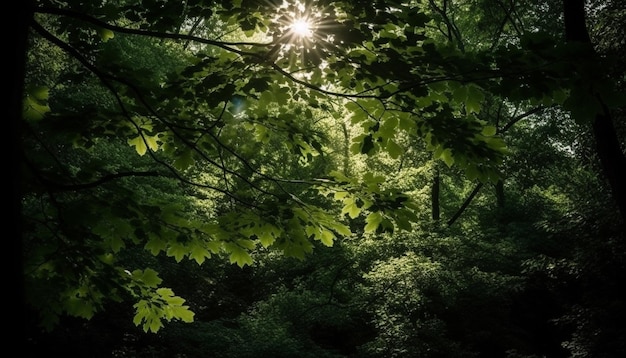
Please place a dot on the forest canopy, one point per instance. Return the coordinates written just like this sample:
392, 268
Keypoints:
440, 178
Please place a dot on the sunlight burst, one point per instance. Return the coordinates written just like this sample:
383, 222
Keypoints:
301, 27
304, 31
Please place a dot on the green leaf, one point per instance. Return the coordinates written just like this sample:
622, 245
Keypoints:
199, 252
165, 292
394, 149
238, 255
327, 237
472, 172
460, 94
139, 144
406, 123
148, 276
154, 325
183, 313
341, 229
152, 142
367, 145
267, 234
160, 305
370, 178
489, 131
177, 250
184, 160
79, 307
373, 220
34, 109
447, 157
105, 34
155, 244
215, 246
403, 222
247, 244
351, 209
39, 93
474, 101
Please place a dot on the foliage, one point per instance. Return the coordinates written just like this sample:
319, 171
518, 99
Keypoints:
171, 143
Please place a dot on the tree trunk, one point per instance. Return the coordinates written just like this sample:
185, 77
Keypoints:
500, 194
608, 149
434, 195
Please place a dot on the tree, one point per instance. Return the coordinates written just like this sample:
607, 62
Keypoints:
230, 129
608, 147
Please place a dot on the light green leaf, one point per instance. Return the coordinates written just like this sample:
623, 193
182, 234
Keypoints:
177, 250
246, 244
183, 313
266, 238
154, 324
327, 237
199, 252
148, 276
105, 34
238, 255
165, 292
489, 131
173, 300
351, 209
34, 110
373, 220
214, 246
155, 244
341, 229
139, 144
152, 142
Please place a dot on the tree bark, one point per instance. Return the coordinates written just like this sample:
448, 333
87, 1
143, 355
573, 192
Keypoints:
434, 195
466, 203
500, 194
611, 156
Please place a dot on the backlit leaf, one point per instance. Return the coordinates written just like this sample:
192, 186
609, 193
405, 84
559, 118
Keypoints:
199, 252
139, 144
155, 245
327, 237
373, 220
177, 250
105, 34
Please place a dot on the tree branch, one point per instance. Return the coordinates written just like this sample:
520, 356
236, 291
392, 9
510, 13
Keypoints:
466, 203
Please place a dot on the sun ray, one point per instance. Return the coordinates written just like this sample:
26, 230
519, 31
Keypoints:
302, 27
